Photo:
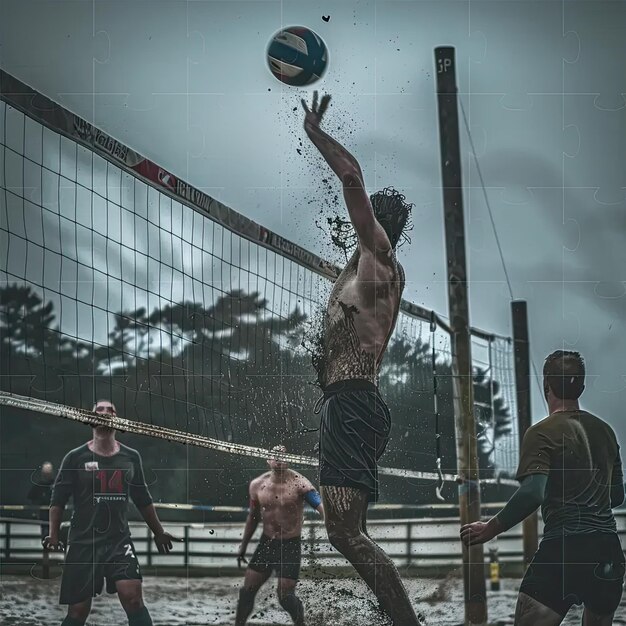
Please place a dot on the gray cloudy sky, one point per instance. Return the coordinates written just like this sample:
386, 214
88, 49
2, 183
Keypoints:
186, 84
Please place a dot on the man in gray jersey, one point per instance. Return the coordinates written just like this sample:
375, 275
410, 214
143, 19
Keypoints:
570, 465
101, 476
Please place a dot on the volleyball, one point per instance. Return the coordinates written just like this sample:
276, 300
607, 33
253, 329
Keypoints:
297, 56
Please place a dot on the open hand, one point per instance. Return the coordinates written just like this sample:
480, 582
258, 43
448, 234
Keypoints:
52, 544
164, 541
313, 116
477, 532
241, 557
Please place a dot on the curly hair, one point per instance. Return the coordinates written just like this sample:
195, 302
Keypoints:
393, 214
564, 372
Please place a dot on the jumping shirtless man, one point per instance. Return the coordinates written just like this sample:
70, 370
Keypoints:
276, 499
361, 315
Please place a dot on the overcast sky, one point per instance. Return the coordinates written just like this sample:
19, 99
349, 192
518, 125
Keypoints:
542, 83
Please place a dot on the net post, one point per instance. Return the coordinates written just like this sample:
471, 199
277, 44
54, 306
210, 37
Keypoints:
186, 546
45, 563
7, 541
409, 543
521, 352
460, 336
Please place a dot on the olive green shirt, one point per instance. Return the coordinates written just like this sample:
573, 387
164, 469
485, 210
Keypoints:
580, 455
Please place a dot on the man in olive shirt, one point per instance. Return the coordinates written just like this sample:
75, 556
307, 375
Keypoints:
101, 476
570, 465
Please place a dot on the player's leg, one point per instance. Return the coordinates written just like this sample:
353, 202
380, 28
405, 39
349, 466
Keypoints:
287, 565
130, 594
591, 619
547, 591
343, 512
252, 582
530, 612
77, 613
364, 522
123, 576
288, 599
82, 578
603, 580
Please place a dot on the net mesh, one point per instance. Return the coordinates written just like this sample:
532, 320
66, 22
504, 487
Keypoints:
120, 281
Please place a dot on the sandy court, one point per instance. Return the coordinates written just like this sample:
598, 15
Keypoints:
179, 601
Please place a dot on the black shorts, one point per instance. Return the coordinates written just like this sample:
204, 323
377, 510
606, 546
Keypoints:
281, 555
577, 569
354, 432
87, 565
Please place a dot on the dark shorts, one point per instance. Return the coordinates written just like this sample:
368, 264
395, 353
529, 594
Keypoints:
281, 555
87, 565
577, 569
354, 432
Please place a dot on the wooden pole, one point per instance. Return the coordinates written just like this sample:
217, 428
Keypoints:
462, 379
521, 353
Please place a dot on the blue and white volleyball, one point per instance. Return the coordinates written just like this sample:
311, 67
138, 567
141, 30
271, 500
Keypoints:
297, 56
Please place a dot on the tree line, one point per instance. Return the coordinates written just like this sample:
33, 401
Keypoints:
233, 370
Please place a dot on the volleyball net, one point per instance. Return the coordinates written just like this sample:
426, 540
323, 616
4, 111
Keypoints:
119, 280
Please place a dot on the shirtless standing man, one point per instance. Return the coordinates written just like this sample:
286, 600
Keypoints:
355, 424
276, 499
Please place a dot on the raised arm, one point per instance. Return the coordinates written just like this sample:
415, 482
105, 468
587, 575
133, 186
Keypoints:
370, 233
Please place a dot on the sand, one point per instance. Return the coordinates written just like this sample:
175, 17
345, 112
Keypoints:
27, 601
